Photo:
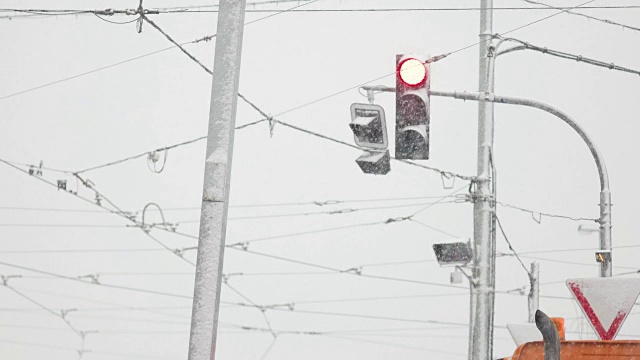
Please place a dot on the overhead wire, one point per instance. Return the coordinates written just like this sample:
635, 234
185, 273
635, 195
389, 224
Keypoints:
206, 38
352, 271
319, 203
95, 301
533, 213
75, 279
406, 9
165, 148
362, 316
602, 20
117, 211
199, 9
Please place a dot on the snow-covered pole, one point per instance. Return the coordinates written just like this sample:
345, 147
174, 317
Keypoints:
217, 173
484, 255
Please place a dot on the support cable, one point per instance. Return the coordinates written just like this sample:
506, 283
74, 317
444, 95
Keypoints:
579, 58
504, 235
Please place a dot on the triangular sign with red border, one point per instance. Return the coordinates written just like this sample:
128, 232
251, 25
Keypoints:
605, 302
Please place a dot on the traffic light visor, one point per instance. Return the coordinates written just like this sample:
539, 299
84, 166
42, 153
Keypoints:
412, 71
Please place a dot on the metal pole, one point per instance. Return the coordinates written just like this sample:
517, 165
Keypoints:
217, 173
534, 291
606, 266
482, 302
605, 194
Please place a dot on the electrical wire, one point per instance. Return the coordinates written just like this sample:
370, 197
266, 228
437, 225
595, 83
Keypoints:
430, 9
94, 301
533, 213
319, 203
260, 239
116, 162
434, 228
433, 59
198, 9
353, 271
39, 167
117, 211
79, 251
606, 21
206, 38
362, 316
120, 287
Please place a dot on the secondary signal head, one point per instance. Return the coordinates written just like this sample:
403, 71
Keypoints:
412, 71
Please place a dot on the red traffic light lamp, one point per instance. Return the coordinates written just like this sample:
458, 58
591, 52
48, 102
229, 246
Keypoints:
412, 72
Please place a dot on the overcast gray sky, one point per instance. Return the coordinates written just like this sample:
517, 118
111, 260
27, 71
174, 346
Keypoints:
290, 60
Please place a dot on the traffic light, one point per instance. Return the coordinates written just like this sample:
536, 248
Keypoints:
412, 108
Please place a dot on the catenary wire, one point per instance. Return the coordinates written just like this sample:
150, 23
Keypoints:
192, 10
147, 291
94, 301
207, 38
319, 203
606, 21
117, 210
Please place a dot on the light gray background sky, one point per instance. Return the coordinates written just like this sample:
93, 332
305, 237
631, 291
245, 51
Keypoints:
289, 60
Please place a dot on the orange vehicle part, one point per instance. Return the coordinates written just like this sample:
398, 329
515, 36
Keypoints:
583, 350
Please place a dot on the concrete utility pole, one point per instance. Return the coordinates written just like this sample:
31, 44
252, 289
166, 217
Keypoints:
534, 291
217, 173
483, 286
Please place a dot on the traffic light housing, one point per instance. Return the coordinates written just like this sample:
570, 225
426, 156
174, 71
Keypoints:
412, 108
